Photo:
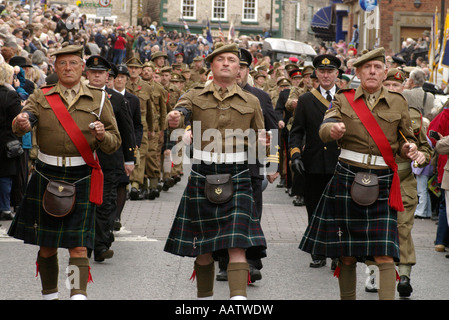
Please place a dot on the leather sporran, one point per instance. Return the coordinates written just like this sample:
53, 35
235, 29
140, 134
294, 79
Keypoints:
365, 188
59, 198
219, 188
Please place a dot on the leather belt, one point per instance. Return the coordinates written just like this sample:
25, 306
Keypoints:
219, 157
61, 161
363, 158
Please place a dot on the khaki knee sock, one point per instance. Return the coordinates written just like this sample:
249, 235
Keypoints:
347, 281
49, 273
387, 281
238, 278
79, 272
205, 279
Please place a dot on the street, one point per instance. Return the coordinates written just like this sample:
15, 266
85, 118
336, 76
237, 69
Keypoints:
141, 270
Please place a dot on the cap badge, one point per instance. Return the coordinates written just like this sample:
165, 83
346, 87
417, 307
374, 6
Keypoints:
325, 61
398, 76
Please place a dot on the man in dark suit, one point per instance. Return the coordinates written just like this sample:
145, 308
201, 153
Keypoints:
112, 165
134, 109
256, 169
309, 155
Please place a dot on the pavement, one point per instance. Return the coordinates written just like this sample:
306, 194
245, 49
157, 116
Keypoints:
141, 270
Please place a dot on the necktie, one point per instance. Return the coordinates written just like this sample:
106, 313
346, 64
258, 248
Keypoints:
69, 94
328, 96
372, 100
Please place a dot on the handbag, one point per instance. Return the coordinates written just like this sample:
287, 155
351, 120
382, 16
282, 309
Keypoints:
365, 188
59, 198
219, 188
13, 149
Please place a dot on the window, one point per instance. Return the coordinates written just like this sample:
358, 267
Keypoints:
249, 10
188, 9
219, 10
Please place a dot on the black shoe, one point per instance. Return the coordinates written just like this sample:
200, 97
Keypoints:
152, 194
134, 194
222, 275
299, 201
6, 215
281, 184
117, 225
159, 185
317, 263
176, 179
168, 183
404, 287
106, 254
254, 273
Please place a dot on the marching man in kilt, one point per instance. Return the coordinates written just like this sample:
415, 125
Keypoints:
205, 223
72, 120
356, 218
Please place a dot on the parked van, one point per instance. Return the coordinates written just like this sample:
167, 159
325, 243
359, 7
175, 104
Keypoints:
278, 49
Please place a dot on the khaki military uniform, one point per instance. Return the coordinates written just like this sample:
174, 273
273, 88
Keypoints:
409, 191
153, 158
142, 90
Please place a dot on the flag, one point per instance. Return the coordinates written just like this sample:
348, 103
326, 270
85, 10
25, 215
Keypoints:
208, 34
434, 53
444, 56
231, 33
185, 25
220, 32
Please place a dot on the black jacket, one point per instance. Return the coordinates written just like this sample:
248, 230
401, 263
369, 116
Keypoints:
318, 157
124, 123
134, 109
10, 107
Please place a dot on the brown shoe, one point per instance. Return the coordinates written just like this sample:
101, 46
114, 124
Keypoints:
440, 248
106, 254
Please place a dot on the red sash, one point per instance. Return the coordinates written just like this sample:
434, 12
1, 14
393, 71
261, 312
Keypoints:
78, 139
373, 128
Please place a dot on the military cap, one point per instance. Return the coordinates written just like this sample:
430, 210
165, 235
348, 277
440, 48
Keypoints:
188, 70
307, 70
166, 69
153, 37
97, 63
70, 49
158, 54
134, 62
326, 61
407, 70
283, 83
198, 58
172, 44
258, 75
290, 66
201, 71
395, 74
376, 54
245, 57
177, 53
232, 48
113, 71
148, 65
176, 66
261, 67
175, 77
295, 73
122, 69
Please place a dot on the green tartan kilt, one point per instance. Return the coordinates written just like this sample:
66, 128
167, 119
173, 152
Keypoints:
202, 227
34, 226
340, 227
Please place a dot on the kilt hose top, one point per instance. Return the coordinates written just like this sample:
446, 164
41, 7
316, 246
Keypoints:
340, 227
34, 226
202, 227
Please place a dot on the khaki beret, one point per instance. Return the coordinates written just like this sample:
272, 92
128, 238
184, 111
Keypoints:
166, 69
198, 58
70, 49
395, 74
158, 54
307, 70
376, 54
232, 48
283, 83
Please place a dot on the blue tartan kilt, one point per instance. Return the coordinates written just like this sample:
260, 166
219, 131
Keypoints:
34, 226
340, 227
202, 227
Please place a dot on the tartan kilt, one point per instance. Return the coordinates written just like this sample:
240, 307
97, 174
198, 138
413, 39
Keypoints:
167, 144
340, 227
34, 226
202, 227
